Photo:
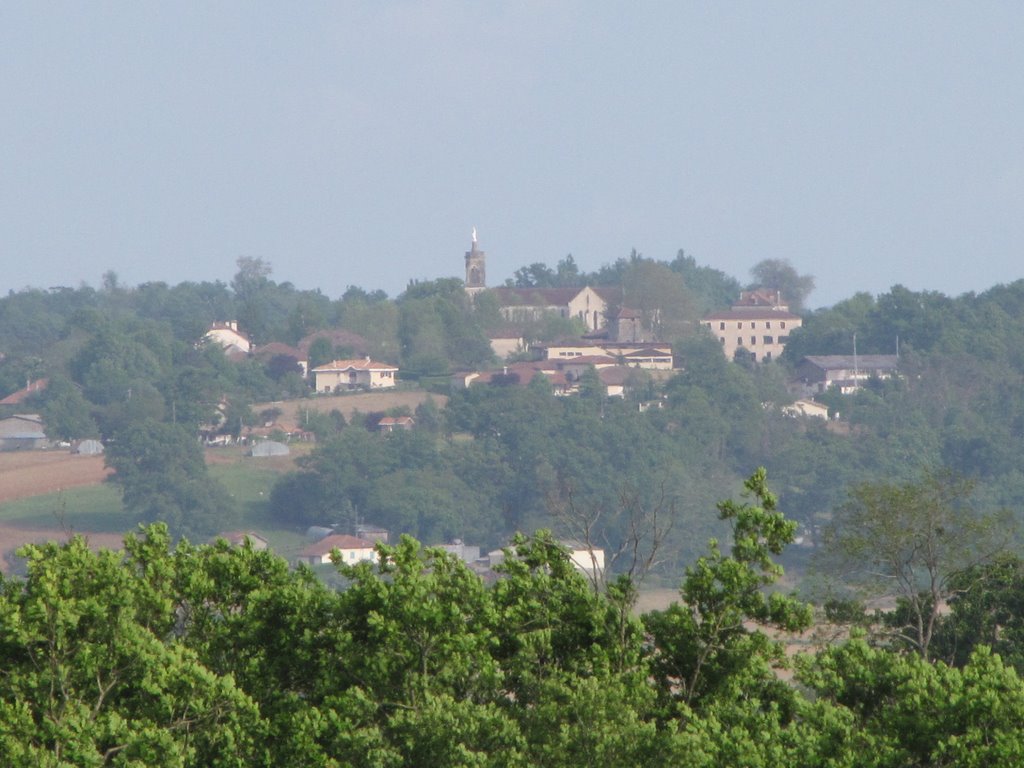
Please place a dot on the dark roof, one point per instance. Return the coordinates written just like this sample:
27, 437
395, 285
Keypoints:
586, 360
551, 297
652, 346
626, 313
649, 352
568, 341
615, 375
841, 362
761, 297
610, 293
525, 373
278, 348
752, 313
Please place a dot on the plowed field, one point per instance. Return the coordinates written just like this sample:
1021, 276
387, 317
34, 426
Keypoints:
31, 473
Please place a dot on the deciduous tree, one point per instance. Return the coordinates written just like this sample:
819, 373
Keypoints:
910, 541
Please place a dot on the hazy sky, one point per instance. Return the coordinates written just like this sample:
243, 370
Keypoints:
357, 143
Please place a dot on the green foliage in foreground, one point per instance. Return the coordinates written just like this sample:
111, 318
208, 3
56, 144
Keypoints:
214, 656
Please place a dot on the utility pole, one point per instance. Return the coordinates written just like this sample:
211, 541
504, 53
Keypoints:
856, 372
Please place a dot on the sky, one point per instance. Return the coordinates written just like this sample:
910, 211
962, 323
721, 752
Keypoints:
358, 143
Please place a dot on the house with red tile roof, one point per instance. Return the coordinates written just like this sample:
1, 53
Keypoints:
34, 387
396, 423
345, 375
350, 549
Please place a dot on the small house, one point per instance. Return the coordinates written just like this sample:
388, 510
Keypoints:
227, 335
346, 375
351, 550
267, 448
588, 560
242, 538
396, 424
22, 432
807, 408
818, 373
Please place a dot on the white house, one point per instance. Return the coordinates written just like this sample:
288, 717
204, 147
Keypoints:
228, 336
807, 408
507, 343
588, 560
650, 358
635, 355
350, 549
341, 375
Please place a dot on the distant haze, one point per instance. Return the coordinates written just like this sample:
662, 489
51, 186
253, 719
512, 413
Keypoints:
358, 143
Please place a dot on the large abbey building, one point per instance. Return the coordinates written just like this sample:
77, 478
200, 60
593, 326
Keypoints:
759, 323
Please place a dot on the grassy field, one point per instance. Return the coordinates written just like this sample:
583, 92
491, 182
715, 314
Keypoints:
92, 508
96, 509
250, 482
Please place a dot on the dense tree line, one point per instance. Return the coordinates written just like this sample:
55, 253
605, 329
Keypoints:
124, 360
213, 655
506, 458
509, 458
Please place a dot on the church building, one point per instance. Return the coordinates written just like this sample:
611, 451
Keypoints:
517, 305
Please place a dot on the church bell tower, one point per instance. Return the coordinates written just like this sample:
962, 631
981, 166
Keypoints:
476, 268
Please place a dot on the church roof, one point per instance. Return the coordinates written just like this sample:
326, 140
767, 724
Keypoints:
551, 297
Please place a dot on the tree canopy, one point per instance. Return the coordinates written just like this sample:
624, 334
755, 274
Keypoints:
219, 655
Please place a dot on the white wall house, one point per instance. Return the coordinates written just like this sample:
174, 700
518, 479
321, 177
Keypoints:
351, 550
343, 375
228, 336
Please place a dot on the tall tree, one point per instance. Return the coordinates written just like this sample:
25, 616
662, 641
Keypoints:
163, 478
91, 677
66, 412
910, 541
704, 647
780, 275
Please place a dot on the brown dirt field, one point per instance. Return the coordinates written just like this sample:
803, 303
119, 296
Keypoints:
364, 402
31, 473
